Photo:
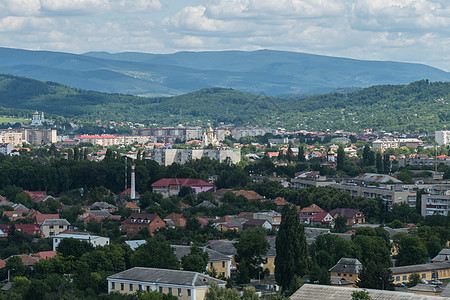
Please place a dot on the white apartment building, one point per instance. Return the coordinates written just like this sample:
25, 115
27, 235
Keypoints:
442, 137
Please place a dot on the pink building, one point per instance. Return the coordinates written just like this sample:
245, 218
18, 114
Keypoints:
170, 187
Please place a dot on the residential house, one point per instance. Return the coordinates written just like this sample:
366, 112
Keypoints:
81, 236
439, 270
273, 217
169, 187
254, 223
45, 254
14, 215
354, 216
322, 218
103, 205
217, 261
347, 268
426, 289
178, 219
52, 227
38, 196
443, 256
203, 222
27, 260
133, 207
311, 210
97, 215
127, 193
136, 222
32, 229
227, 226
40, 218
206, 204
248, 194
185, 285
280, 201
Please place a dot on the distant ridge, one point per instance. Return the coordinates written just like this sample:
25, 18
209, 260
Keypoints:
267, 72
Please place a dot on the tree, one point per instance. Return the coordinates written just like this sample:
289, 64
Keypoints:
250, 249
15, 265
340, 224
375, 275
219, 293
340, 158
196, 260
379, 162
291, 258
155, 254
411, 250
413, 280
361, 295
72, 247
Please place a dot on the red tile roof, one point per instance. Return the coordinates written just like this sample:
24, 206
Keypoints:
39, 218
45, 254
27, 260
318, 217
136, 218
2, 263
280, 201
128, 192
249, 194
132, 205
313, 208
28, 228
165, 182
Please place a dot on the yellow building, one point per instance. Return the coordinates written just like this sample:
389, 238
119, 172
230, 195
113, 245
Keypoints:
219, 262
426, 272
185, 285
347, 268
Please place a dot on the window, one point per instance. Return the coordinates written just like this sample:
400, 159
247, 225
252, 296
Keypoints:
170, 291
148, 288
113, 285
223, 274
211, 265
344, 274
397, 278
351, 275
51, 226
424, 275
160, 289
61, 226
179, 293
404, 277
131, 287
339, 274
122, 286
223, 264
140, 287
157, 221
189, 293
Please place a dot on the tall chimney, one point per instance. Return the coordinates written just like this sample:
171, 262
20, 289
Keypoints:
133, 182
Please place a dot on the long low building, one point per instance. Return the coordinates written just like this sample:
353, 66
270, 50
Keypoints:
168, 156
81, 236
185, 285
426, 272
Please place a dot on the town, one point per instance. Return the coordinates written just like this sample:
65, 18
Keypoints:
226, 212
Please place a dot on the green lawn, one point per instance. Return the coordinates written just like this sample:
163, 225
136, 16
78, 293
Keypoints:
4, 120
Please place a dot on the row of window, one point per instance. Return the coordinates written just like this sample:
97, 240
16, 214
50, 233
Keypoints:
147, 288
406, 277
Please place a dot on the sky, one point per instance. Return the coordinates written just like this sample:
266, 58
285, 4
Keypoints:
397, 30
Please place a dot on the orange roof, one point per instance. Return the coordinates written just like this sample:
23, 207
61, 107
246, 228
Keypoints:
280, 201
27, 260
45, 254
42, 217
132, 205
2, 263
313, 208
249, 194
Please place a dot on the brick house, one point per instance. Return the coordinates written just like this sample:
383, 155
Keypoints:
354, 216
136, 222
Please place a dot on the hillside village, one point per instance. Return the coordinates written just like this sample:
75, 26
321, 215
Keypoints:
191, 211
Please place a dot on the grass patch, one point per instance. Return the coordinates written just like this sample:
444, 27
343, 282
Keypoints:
6, 120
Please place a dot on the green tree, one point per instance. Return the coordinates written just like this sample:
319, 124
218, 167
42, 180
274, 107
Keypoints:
219, 293
72, 247
375, 275
196, 260
155, 254
413, 280
411, 250
340, 158
361, 295
291, 258
340, 224
15, 265
250, 249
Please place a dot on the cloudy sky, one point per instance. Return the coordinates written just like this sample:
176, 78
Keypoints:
399, 30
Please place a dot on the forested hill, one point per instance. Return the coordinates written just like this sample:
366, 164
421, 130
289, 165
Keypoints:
263, 71
417, 107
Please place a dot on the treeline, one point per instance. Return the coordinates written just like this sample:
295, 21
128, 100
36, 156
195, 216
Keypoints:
407, 108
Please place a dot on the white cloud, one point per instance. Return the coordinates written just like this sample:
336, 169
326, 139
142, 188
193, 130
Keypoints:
75, 6
19, 7
194, 18
130, 6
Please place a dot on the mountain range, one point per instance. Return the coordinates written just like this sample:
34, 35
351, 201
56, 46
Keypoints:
266, 72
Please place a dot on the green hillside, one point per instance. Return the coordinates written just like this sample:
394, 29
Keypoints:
417, 107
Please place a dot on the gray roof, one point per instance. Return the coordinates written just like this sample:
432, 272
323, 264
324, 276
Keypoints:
430, 288
181, 251
326, 292
394, 231
205, 204
100, 213
224, 247
103, 205
55, 222
420, 268
380, 178
335, 280
347, 265
446, 291
166, 277
6, 203
135, 243
443, 255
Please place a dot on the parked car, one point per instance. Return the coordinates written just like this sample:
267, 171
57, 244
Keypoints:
436, 282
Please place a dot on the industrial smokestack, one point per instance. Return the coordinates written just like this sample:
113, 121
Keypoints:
133, 182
